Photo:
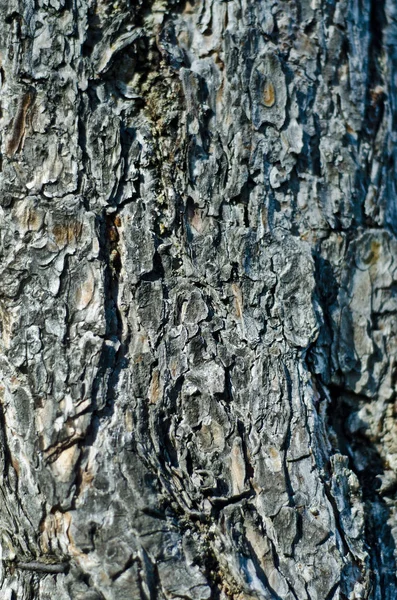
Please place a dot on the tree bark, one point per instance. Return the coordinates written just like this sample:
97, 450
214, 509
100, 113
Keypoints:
198, 299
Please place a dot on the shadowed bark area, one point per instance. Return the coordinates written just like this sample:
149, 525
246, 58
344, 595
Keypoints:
198, 299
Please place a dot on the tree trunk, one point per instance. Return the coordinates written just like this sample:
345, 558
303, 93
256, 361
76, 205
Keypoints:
198, 299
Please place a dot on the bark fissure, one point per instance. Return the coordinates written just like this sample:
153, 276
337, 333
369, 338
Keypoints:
378, 537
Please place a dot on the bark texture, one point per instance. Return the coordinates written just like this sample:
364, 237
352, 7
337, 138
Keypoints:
198, 299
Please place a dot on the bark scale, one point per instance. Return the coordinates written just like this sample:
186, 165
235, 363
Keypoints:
198, 299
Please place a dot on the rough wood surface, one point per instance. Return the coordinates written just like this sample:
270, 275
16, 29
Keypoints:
198, 298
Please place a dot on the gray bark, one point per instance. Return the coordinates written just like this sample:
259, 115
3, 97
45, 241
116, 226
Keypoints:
198, 299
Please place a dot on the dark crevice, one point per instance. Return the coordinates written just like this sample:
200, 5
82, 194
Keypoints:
127, 138
249, 470
260, 572
130, 562
366, 462
287, 439
220, 502
375, 97
355, 442
169, 455
85, 160
212, 570
8, 462
113, 358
